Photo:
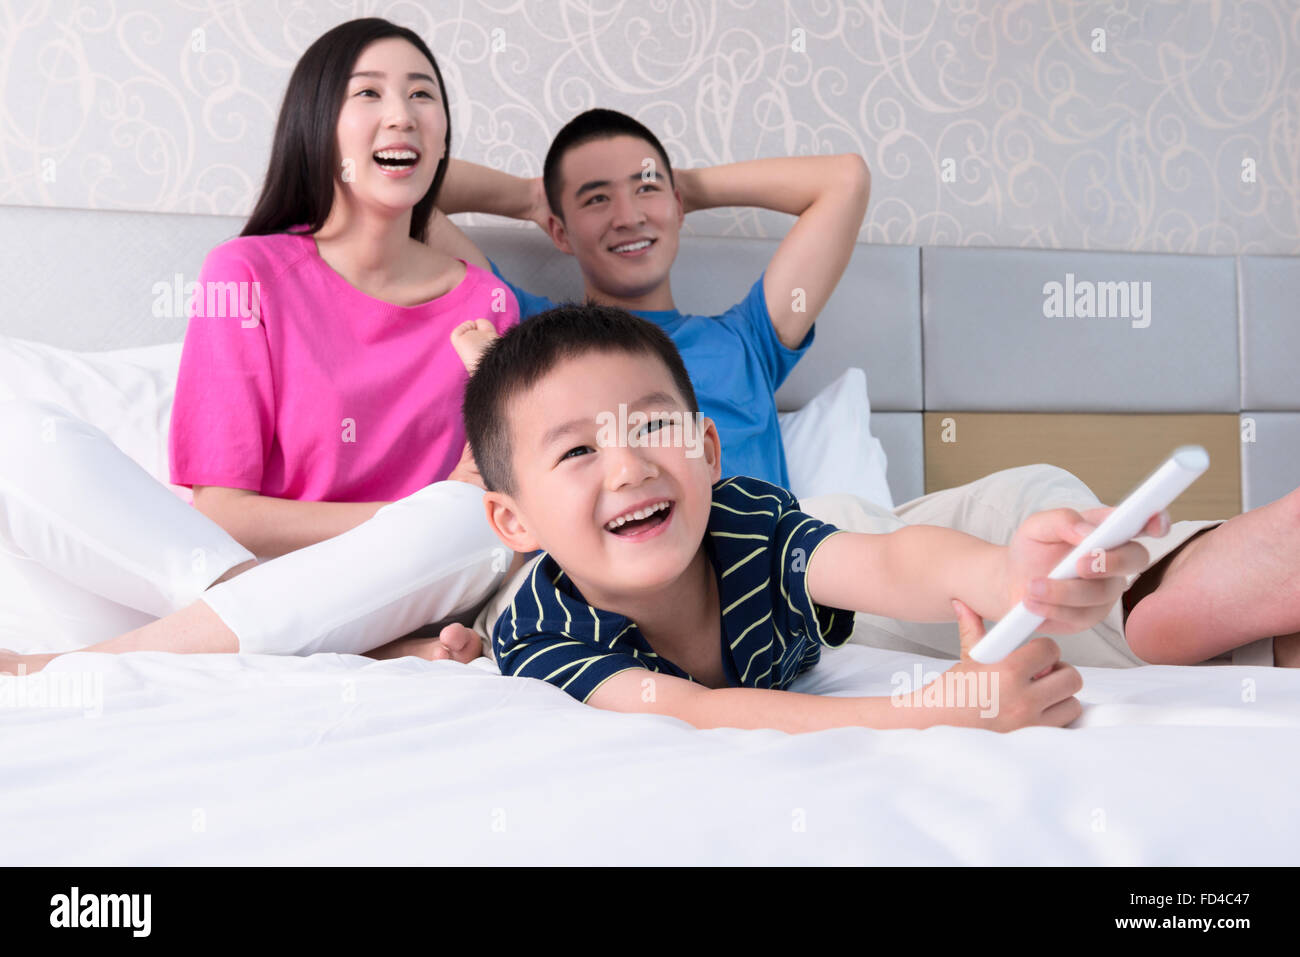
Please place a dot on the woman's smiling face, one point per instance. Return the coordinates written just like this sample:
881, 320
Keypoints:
394, 108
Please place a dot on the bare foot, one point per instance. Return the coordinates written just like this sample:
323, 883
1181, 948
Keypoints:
455, 642
469, 339
460, 643
12, 663
1232, 585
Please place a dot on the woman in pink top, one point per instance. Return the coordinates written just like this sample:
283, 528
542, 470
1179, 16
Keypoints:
344, 387
317, 411
329, 394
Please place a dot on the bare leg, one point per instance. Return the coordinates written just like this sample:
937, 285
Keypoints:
1229, 586
195, 629
385, 577
454, 641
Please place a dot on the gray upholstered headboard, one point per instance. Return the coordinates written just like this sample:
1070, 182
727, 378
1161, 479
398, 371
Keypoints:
941, 332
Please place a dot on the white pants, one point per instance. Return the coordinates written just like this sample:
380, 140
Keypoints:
92, 546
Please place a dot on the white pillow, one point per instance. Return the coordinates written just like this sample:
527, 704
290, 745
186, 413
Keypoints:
829, 447
126, 392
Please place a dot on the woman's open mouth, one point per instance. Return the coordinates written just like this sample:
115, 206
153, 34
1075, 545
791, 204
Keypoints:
643, 523
396, 163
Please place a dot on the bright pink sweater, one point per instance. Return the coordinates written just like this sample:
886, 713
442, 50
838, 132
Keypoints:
295, 384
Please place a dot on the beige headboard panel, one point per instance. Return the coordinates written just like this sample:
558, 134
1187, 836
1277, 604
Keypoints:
1110, 452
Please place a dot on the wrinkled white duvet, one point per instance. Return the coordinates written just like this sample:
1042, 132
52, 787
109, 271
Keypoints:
222, 759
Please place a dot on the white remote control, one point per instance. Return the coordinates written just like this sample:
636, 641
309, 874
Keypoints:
1161, 487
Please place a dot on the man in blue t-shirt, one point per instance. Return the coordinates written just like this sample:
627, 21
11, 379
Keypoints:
609, 197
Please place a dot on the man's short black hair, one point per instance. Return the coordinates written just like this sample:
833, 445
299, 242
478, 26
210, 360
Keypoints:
520, 359
583, 128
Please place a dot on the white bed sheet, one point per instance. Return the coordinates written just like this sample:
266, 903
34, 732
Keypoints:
224, 759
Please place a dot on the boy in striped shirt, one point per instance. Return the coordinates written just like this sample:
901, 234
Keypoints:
668, 589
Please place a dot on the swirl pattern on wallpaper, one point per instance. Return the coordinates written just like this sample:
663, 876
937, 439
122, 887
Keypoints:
1156, 125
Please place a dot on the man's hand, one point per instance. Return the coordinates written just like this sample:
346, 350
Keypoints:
686, 183
539, 210
1071, 605
466, 470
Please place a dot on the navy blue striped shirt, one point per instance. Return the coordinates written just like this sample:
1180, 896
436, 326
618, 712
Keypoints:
760, 546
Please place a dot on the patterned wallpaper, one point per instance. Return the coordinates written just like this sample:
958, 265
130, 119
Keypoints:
1158, 125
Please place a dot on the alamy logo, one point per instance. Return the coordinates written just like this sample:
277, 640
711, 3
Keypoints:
1084, 299
655, 430
209, 300
102, 910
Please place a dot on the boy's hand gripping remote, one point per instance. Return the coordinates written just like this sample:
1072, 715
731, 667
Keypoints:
1181, 469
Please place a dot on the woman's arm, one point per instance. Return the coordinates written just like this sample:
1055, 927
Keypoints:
269, 527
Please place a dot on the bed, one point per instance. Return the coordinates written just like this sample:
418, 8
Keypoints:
164, 759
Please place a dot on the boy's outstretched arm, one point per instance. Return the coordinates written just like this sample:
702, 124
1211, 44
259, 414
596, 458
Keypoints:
829, 194
1031, 686
649, 692
914, 572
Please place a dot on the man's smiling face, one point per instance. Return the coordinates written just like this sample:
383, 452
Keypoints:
623, 519
621, 220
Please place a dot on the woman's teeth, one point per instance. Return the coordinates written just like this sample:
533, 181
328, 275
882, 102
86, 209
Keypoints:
396, 157
641, 513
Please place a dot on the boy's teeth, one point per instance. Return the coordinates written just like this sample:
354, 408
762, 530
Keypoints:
637, 515
632, 247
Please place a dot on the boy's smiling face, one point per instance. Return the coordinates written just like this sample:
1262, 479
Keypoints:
572, 483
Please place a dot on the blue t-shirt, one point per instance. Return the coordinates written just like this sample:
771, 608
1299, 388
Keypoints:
759, 545
736, 363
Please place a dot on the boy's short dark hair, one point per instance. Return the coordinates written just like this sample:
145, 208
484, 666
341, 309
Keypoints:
519, 359
583, 128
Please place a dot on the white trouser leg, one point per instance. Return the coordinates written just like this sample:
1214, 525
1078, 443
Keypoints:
92, 544
421, 559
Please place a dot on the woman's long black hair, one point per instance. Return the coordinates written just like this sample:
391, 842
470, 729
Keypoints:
299, 185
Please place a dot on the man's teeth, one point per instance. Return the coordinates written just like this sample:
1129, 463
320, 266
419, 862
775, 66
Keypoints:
638, 514
632, 247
